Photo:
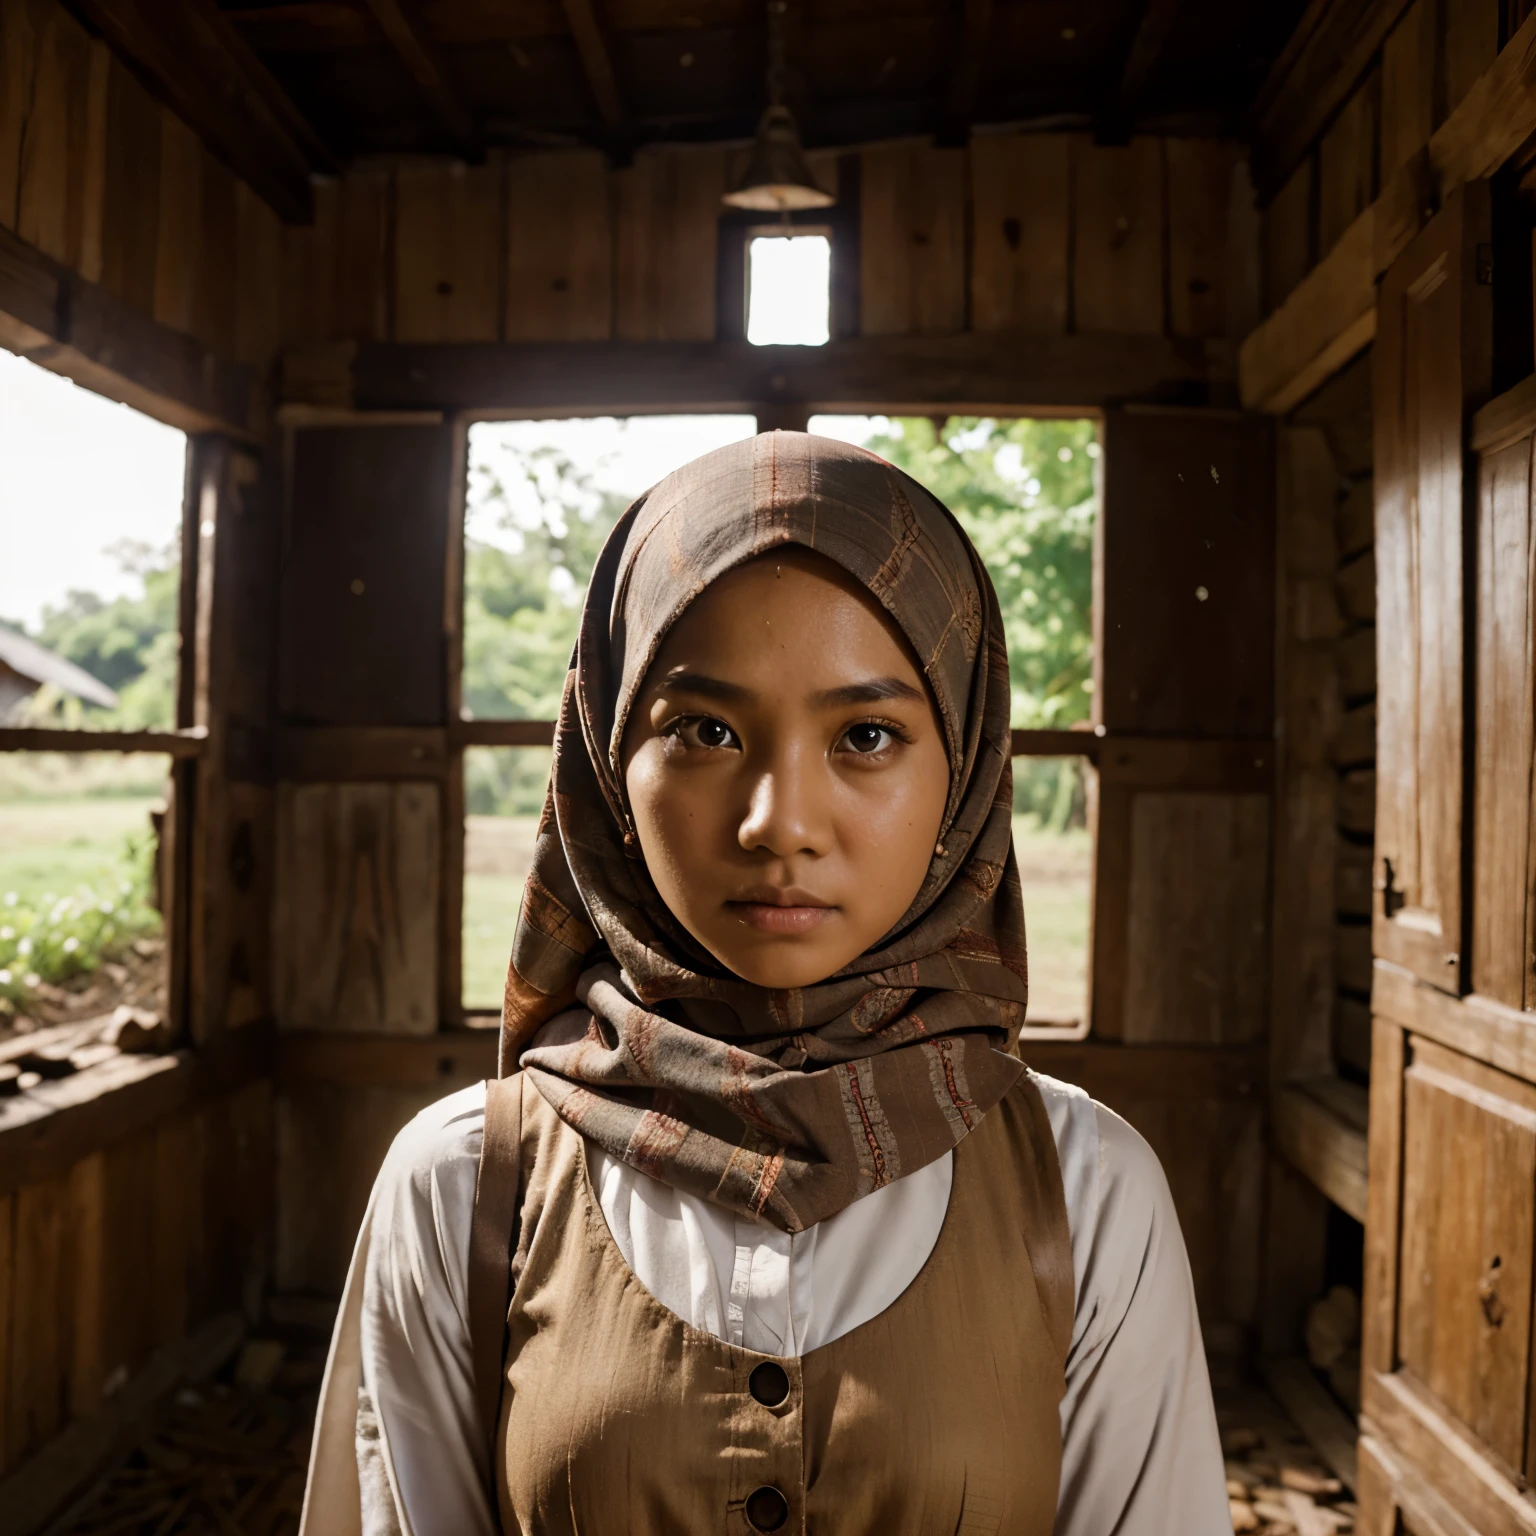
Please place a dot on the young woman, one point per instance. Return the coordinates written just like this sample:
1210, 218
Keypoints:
765, 1226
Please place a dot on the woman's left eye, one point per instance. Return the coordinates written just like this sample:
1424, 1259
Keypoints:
705, 731
867, 739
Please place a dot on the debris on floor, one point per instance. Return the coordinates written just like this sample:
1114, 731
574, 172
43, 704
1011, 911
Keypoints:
1276, 1483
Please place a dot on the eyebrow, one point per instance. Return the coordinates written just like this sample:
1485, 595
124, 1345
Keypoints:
872, 691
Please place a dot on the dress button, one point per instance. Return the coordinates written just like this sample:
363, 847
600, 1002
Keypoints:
767, 1509
769, 1384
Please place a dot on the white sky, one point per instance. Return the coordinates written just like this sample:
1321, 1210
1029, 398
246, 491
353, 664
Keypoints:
77, 474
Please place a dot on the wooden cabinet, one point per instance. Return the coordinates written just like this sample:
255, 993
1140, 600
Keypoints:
1449, 1415
1432, 360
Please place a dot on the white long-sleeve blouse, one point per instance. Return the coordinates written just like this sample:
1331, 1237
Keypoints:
1141, 1454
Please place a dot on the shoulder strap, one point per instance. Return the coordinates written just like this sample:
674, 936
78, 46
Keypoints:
1050, 1238
498, 1198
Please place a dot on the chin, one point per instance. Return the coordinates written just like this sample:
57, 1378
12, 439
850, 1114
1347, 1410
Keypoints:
780, 972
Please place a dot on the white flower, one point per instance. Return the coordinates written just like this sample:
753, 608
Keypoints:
5, 977
71, 944
7, 932
10, 898
25, 947
1064, 454
32, 979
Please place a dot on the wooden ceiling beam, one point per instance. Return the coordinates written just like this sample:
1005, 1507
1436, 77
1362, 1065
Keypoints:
192, 55
419, 54
965, 79
1157, 19
596, 61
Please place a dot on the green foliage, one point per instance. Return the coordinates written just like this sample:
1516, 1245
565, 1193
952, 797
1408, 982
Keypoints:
56, 938
129, 643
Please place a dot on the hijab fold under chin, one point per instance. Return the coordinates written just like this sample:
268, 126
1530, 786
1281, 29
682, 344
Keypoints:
781, 1105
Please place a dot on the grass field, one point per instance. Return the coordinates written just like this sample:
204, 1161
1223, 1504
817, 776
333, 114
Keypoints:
1054, 869
52, 847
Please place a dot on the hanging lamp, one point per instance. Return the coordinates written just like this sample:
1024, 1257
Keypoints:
777, 178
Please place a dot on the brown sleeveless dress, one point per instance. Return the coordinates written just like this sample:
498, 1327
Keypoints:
941, 1415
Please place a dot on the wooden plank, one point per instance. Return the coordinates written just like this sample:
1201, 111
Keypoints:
23, 738
1408, 86
258, 282
1021, 232
596, 60
1506, 419
1198, 930
1470, 43
668, 211
128, 1175
1324, 1143
215, 83
1200, 175
336, 754
1504, 730
57, 1123
215, 319
94, 170
1432, 359
1118, 233
1060, 375
447, 252
559, 248
1326, 320
1494, 118
179, 243
1316, 1412
912, 240
35, 1389
92, 1287
131, 219
362, 292
50, 171
1189, 492
1346, 164
418, 52
357, 882
362, 584
176, 1214
1469, 1228
1308, 85
1383, 1236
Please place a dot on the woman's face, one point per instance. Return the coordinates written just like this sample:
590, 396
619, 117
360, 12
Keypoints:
786, 770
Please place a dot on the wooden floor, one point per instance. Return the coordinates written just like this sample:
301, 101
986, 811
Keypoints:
227, 1456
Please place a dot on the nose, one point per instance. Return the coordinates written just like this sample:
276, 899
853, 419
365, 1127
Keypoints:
788, 809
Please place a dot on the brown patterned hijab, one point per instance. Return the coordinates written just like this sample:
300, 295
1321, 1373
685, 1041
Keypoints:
785, 1106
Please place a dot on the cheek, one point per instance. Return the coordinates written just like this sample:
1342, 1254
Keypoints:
891, 823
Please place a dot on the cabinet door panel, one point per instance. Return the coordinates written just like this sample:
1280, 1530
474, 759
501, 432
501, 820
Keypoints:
1431, 366
1469, 1213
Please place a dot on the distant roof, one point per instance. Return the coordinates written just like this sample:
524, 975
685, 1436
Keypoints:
41, 665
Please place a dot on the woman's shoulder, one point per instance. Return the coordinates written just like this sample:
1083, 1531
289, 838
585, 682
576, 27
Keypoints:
440, 1144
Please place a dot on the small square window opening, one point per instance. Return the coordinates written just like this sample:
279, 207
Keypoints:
789, 282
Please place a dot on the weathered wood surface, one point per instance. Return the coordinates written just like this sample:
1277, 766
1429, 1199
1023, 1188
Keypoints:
1320, 1129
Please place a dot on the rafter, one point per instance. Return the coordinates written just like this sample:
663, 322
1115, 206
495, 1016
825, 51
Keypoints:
419, 54
1157, 21
196, 60
596, 61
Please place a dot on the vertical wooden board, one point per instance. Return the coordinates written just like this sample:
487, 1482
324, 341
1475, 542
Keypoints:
7, 1319
176, 1214
362, 273
309, 264
128, 1315
38, 1379
1408, 86
1470, 43
52, 168
1198, 924
447, 252
131, 213
347, 1131
1505, 733
1469, 1226
666, 242
559, 248
1199, 201
1245, 254
90, 1284
1021, 199
1287, 237
19, 26
357, 884
366, 550
179, 246
93, 183
1118, 237
1431, 362
214, 308
251, 1115
1188, 496
258, 281
912, 240
1346, 165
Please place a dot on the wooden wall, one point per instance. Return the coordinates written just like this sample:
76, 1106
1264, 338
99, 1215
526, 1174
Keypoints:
1043, 234
123, 1253
98, 176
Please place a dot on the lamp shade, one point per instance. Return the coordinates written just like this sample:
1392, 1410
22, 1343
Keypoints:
777, 178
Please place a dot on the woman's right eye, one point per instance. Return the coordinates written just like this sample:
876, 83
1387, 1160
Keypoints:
705, 731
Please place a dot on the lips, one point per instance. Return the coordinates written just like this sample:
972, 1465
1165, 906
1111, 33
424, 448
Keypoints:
785, 912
